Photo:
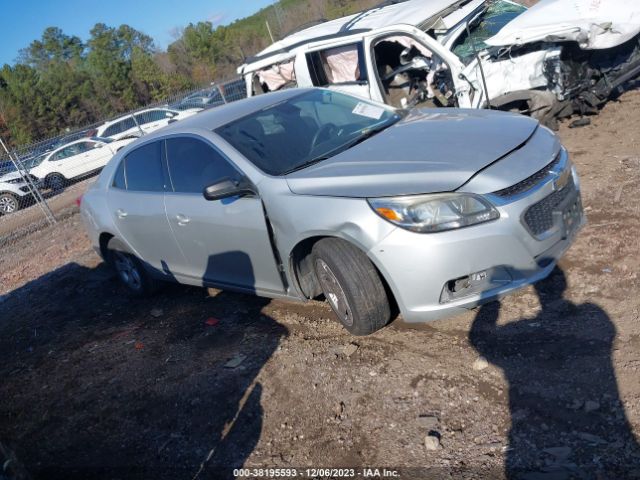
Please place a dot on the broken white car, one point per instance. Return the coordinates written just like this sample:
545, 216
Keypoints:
554, 59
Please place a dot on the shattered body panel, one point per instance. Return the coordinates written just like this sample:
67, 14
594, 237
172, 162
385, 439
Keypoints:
550, 61
593, 24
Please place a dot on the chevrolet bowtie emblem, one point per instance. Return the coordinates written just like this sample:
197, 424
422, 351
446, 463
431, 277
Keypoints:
562, 180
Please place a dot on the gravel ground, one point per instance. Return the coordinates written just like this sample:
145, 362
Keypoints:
543, 385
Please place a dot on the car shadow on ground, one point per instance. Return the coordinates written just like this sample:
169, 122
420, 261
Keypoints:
99, 385
567, 418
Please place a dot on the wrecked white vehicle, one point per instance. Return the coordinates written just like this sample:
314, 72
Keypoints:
554, 59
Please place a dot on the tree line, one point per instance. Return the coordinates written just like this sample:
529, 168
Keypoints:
61, 82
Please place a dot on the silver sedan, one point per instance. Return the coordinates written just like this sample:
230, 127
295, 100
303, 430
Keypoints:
307, 193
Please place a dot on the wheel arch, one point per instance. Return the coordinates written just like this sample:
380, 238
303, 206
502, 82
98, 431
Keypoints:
303, 274
103, 241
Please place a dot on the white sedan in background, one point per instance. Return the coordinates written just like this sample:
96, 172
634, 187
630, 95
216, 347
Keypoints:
76, 159
142, 122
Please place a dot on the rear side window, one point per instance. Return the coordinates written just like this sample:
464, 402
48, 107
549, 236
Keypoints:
152, 116
114, 129
143, 168
194, 165
337, 65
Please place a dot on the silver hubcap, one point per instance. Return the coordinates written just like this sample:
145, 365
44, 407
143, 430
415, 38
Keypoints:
127, 270
8, 204
334, 292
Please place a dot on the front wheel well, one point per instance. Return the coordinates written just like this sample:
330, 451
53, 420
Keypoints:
304, 274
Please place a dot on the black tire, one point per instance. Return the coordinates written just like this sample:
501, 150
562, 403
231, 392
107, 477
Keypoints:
56, 182
351, 285
131, 272
9, 203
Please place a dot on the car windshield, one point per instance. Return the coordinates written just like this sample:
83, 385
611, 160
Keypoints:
305, 129
485, 26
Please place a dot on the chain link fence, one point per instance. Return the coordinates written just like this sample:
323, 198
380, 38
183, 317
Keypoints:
41, 182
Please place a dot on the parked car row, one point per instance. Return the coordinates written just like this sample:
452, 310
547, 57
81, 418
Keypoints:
214, 96
54, 164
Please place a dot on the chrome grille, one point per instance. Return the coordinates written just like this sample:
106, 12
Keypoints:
529, 182
539, 217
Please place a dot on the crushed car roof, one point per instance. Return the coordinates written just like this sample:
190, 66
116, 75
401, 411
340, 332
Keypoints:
594, 24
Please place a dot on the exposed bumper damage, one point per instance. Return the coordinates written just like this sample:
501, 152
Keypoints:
583, 51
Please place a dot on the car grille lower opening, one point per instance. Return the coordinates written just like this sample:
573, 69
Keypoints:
539, 217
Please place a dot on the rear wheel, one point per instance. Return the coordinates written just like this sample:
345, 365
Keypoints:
56, 182
130, 270
9, 203
351, 285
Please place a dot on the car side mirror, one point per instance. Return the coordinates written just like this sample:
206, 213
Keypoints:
99, 145
228, 187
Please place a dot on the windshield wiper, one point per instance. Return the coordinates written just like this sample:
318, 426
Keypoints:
366, 134
308, 163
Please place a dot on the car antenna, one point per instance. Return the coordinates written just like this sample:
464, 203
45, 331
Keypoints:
475, 52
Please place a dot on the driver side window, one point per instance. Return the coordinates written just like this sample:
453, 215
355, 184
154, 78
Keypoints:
410, 74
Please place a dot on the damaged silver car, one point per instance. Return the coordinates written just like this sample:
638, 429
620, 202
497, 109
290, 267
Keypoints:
309, 192
552, 60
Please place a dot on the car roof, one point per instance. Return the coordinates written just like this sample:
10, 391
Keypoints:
216, 117
409, 12
128, 115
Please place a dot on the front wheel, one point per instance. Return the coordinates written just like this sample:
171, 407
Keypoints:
9, 203
351, 285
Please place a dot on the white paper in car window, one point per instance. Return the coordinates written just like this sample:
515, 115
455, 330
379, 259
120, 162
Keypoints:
368, 110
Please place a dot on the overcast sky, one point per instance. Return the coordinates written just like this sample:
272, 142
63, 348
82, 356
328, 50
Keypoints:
23, 21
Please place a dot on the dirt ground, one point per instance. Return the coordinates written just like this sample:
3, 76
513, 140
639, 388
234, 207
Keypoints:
194, 383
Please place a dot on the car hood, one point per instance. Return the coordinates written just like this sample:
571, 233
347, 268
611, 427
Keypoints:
593, 24
431, 150
9, 176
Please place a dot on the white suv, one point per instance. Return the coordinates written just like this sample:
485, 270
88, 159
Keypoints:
142, 122
14, 192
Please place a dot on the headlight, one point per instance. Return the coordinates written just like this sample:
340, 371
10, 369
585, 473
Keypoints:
435, 213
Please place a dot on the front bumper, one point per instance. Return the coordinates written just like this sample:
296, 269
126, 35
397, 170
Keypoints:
439, 275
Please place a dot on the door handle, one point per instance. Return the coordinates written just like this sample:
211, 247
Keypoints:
121, 213
182, 219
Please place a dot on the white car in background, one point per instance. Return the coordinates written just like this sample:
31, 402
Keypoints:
15, 192
76, 159
142, 122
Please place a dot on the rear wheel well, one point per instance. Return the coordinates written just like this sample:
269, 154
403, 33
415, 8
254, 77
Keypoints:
304, 273
103, 242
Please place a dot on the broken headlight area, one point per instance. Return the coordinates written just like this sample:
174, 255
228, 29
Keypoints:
475, 283
435, 212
